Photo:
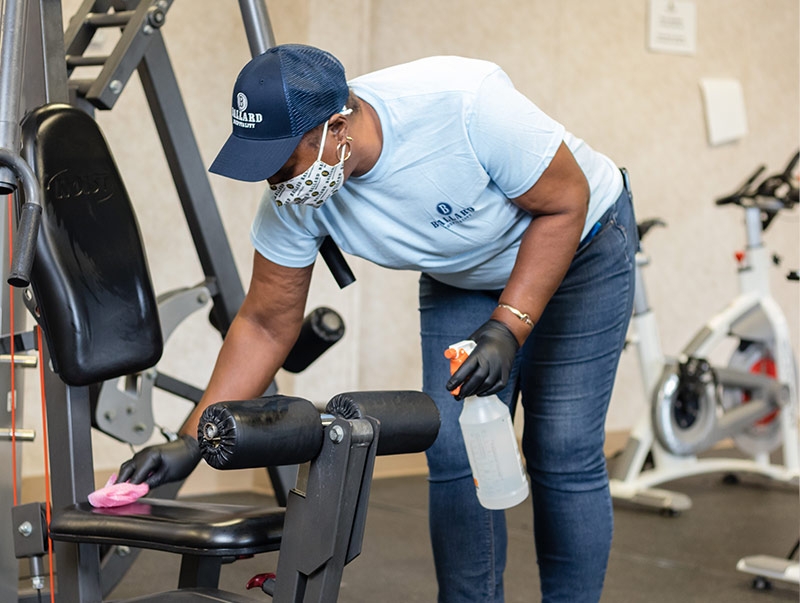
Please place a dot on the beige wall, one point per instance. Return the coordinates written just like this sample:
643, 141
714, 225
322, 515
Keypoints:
583, 61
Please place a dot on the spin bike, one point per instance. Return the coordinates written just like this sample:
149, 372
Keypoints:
694, 404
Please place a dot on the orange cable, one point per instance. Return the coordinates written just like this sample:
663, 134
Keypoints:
46, 461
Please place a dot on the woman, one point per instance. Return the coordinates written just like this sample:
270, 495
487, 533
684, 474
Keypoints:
525, 240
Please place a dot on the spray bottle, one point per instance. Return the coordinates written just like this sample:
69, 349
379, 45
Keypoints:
491, 443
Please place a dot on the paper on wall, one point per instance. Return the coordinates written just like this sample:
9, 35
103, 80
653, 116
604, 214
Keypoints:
672, 26
724, 107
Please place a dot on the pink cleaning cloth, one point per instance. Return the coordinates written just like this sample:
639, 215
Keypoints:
116, 495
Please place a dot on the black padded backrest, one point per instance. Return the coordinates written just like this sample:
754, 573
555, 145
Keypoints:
90, 276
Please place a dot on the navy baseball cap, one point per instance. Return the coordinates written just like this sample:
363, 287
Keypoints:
278, 97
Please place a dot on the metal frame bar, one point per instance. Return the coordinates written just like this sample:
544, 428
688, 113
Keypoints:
12, 47
35, 35
330, 502
72, 480
191, 180
257, 26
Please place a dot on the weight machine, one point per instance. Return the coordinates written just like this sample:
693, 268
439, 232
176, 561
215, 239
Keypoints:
37, 67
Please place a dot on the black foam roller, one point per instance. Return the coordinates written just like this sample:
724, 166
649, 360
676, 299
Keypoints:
321, 329
266, 432
409, 420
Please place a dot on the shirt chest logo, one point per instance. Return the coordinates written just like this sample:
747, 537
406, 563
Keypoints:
449, 217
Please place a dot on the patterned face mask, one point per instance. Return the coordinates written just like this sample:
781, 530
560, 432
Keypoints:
314, 186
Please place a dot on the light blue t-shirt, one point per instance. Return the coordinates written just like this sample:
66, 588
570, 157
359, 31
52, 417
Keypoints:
458, 142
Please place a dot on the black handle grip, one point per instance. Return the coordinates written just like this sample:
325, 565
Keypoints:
25, 246
787, 172
336, 263
645, 225
781, 186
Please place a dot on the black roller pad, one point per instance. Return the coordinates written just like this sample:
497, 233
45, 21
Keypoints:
409, 420
265, 432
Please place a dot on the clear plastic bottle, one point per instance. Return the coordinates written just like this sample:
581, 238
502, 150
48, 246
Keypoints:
492, 448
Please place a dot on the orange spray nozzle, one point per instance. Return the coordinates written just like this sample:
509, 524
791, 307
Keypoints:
457, 354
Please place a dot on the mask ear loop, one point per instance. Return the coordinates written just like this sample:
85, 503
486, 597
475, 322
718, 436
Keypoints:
322, 141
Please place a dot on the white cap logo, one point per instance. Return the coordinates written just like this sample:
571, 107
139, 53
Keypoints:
241, 117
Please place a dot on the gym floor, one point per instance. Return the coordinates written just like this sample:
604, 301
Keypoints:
654, 558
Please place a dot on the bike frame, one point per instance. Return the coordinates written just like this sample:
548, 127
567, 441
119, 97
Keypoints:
753, 315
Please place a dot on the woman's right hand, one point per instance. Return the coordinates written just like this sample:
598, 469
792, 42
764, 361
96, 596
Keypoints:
162, 463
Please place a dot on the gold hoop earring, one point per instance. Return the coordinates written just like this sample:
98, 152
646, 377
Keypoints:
344, 149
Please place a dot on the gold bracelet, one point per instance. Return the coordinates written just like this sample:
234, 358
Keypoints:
521, 315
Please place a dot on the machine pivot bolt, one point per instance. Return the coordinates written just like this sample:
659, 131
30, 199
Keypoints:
25, 528
336, 434
210, 431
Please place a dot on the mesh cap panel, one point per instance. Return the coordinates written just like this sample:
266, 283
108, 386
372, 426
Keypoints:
315, 86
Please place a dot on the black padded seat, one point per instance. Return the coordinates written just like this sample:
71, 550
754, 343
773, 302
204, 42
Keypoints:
199, 529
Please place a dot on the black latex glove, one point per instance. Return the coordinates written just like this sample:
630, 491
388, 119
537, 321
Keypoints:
162, 463
486, 369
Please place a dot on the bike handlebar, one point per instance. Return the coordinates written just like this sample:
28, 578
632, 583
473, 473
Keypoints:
772, 194
742, 190
787, 173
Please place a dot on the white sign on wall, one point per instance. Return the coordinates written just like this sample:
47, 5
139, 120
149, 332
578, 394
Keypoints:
724, 107
673, 26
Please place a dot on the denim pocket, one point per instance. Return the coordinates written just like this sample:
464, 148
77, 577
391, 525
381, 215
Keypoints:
597, 229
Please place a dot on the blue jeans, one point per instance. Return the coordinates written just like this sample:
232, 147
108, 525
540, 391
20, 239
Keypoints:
565, 373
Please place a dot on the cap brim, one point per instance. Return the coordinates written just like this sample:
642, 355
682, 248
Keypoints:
253, 160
